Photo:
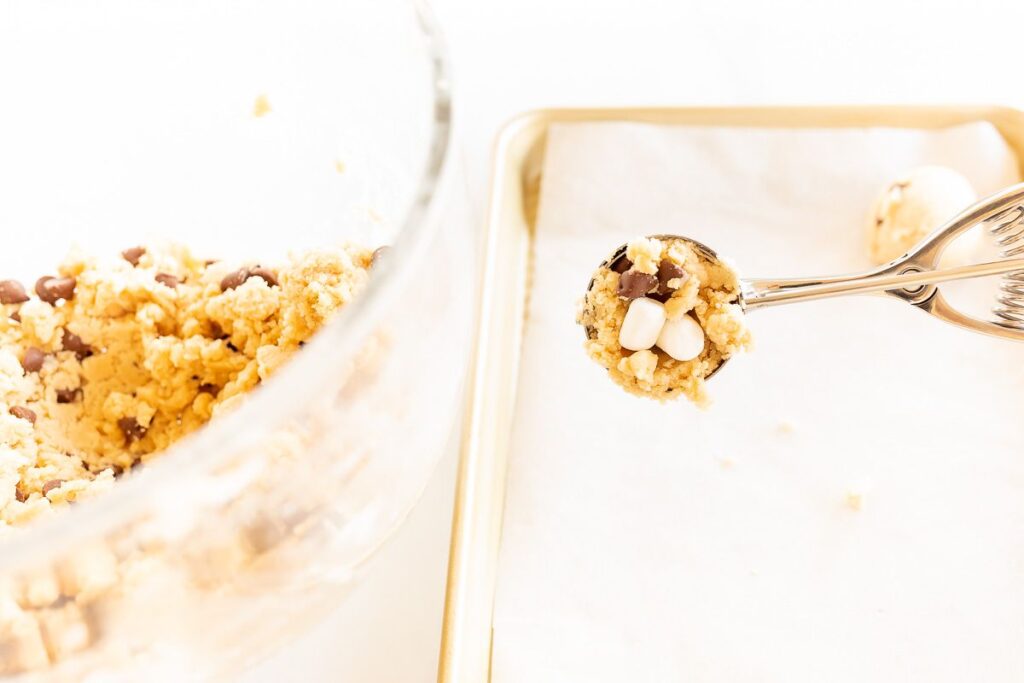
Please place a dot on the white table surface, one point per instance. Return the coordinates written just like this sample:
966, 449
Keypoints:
514, 56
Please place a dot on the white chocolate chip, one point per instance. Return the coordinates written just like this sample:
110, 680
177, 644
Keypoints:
642, 324
682, 338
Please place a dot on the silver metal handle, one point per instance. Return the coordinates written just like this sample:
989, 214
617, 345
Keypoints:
760, 293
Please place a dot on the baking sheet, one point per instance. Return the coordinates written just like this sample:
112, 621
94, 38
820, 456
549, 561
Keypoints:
649, 542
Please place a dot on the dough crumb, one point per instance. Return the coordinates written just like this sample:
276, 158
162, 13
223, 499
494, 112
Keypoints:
261, 107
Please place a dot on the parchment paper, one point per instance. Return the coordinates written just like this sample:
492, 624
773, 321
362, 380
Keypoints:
648, 542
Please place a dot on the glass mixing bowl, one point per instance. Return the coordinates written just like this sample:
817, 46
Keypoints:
241, 130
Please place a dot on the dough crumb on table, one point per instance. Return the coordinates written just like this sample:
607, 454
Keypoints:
107, 363
662, 317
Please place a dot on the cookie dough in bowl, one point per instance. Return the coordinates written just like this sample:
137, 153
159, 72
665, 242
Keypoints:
110, 361
302, 444
662, 316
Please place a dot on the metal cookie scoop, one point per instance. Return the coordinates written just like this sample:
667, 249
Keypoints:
914, 276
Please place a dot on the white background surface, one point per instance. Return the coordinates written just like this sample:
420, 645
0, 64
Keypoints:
513, 56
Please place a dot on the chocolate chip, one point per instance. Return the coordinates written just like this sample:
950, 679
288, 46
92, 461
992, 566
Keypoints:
659, 296
40, 287
667, 270
167, 280
238, 277
621, 265
72, 342
211, 389
69, 395
133, 254
11, 292
52, 289
51, 485
131, 428
23, 413
15, 316
633, 284
19, 495
235, 279
378, 253
269, 276
33, 359
62, 287
216, 331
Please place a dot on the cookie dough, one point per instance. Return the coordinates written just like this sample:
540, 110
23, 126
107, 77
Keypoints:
662, 317
914, 205
108, 362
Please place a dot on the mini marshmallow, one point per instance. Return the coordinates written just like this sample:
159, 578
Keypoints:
682, 338
642, 324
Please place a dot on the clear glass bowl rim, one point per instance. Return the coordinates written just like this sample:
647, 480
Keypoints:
206, 449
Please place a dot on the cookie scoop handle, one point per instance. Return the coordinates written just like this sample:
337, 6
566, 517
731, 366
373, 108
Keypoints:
759, 293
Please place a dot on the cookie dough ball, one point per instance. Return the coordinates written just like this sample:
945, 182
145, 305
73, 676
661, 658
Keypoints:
662, 316
913, 206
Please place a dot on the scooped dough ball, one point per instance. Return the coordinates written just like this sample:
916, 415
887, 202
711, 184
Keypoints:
916, 204
662, 316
